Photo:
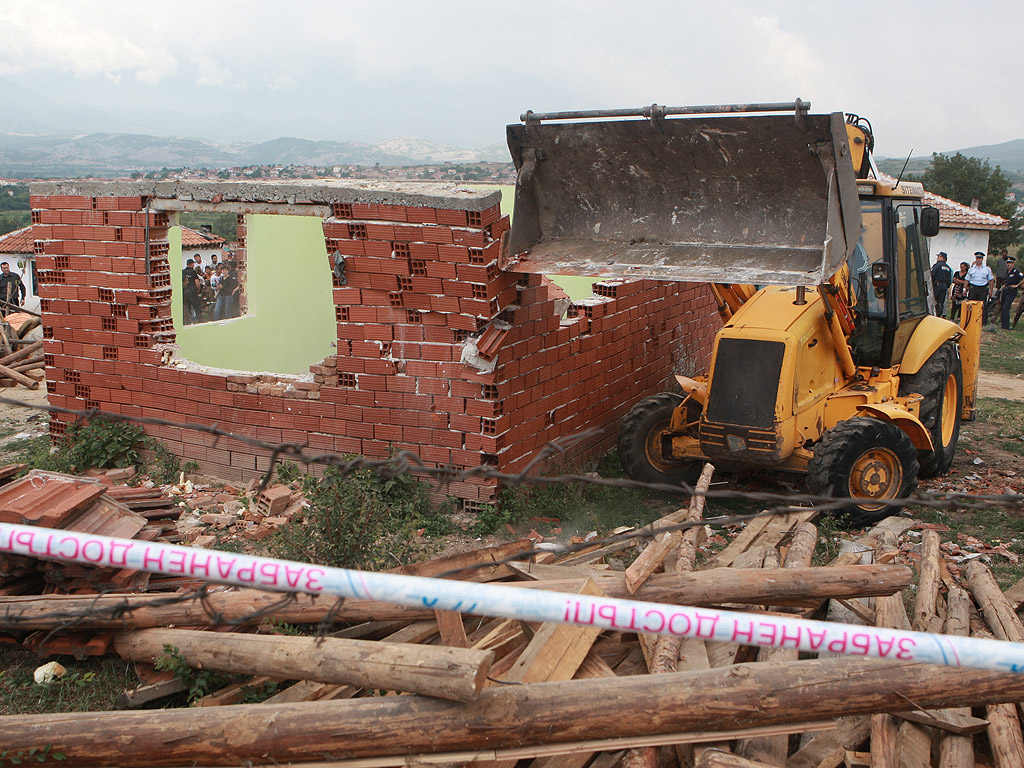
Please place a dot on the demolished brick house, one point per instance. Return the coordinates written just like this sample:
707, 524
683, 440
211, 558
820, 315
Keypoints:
439, 350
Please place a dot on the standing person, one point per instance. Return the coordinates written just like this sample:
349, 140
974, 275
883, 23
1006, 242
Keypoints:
190, 285
229, 290
12, 290
942, 277
200, 267
959, 291
1002, 269
220, 305
1009, 291
980, 282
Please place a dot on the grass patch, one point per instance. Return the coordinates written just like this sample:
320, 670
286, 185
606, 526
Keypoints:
1007, 416
1003, 351
581, 507
90, 685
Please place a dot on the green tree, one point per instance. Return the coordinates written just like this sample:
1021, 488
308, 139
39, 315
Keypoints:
965, 179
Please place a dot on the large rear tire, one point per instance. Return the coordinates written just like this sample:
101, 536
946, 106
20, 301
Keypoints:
868, 461
641, 445
941, 383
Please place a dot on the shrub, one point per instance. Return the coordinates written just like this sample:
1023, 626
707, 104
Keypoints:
357, 520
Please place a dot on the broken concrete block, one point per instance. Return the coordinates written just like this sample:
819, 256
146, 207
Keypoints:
274, 500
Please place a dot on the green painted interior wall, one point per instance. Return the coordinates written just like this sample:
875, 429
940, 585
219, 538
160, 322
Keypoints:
290, 324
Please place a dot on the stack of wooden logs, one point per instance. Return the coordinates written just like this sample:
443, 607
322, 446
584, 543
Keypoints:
23, 366
382, 685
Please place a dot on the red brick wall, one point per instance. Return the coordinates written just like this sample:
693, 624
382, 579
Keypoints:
420, 283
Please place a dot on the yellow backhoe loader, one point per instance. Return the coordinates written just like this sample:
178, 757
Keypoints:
829, 363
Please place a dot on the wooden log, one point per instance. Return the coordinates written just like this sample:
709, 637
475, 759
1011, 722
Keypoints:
30, 365
928, 582
485, 564
1004, 736
245, 606
21, 378
25, 351
749, 585
957, 751
885, 729
509, 716
665, 656
998, 611
433, 670
773, 750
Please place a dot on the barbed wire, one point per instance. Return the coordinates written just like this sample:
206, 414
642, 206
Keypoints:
408, 462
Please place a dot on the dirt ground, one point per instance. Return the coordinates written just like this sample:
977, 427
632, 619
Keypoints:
18, 419
1001, 385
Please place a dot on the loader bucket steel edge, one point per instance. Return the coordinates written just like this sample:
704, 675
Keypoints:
766, 199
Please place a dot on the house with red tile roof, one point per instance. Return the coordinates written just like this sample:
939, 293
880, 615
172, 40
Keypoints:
202, 242
17, 249
963, 230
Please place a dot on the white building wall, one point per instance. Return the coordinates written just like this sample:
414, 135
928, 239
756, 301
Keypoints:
21, 264
190, 253
958, 245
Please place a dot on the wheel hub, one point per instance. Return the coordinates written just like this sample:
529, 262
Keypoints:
876, 474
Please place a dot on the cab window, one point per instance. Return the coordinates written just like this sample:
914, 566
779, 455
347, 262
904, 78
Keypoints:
911, 258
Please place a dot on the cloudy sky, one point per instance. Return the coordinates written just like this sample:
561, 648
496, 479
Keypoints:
931, 76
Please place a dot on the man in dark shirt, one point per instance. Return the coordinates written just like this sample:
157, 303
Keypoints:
1009, 291
12, 290
942, 278
190, 284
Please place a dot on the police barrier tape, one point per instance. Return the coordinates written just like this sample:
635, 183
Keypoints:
512, 602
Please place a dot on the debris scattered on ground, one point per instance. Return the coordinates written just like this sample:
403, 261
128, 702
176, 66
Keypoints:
365, 651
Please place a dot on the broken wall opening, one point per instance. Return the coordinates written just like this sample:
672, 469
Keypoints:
288, 323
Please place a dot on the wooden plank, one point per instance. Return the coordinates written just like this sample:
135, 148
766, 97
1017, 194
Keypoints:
556, 650
947, 720
827, 748
451, 629
914, 746
651, 559
737, 546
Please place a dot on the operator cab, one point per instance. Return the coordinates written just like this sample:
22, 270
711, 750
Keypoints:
888, 269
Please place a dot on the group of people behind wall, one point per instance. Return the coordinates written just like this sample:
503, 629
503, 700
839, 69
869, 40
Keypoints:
210, 291
978, 282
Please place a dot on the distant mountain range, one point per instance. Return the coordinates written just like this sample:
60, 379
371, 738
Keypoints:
1009, 156
24, 155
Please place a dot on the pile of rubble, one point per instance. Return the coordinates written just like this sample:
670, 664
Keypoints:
101, 502
376, 685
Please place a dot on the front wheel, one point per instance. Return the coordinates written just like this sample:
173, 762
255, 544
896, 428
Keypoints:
941, 383
641, 447
869, 462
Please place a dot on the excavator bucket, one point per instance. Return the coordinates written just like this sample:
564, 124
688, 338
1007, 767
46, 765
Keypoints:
763, 199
